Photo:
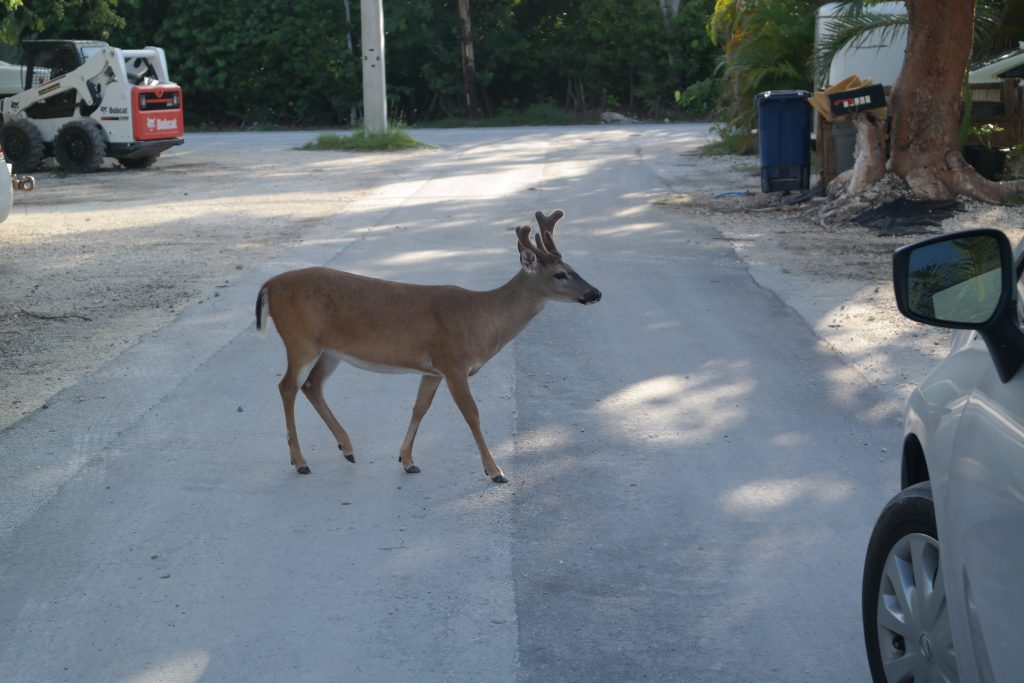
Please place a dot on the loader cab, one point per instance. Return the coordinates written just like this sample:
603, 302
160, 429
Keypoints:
48, 60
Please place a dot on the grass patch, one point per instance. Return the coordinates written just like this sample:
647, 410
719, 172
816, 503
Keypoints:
393, 140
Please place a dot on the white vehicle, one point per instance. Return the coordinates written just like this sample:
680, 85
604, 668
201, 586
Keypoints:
11, 78
993, 71
84, 100
943, 589
6, 188
877, 55
9, 183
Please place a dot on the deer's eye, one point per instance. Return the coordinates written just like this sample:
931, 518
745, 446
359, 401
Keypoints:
560, 275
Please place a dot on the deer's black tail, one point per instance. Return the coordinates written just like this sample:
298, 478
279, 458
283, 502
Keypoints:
262, 309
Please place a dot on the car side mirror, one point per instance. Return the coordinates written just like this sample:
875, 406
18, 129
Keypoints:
964, 280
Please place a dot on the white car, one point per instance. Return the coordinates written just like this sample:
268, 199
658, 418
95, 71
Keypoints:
6, 188
943, 588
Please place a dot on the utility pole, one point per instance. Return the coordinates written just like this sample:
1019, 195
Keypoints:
375, 103
468, 64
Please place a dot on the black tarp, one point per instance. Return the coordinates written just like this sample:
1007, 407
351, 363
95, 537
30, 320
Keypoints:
904, 216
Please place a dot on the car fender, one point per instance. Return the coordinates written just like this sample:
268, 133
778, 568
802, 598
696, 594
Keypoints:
6, 189
934, 410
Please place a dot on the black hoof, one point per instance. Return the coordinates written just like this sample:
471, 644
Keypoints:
351, 457
412, 469
304, 469
500, 479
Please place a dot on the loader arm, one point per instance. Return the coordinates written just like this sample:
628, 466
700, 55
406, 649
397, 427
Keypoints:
107, 65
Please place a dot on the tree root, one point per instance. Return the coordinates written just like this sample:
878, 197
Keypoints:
939, 177
843, 206
869, 160
869, 153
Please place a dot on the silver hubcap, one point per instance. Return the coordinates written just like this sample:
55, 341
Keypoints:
913, 624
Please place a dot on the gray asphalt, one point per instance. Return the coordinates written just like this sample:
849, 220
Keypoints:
691, 490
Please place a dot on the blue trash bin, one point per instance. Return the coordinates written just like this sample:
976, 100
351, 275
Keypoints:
784, 139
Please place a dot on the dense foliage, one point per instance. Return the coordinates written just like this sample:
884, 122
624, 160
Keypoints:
768, 46
63, 18
243, 62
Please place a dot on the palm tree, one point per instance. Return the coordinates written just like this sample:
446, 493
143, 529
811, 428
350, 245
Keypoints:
925, 102
857, 20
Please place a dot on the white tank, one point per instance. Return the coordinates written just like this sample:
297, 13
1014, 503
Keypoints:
878, 55
12, 78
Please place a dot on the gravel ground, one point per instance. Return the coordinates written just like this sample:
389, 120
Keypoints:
91, 263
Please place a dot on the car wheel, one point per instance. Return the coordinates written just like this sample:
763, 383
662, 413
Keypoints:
22, 144
906, 621
79, 147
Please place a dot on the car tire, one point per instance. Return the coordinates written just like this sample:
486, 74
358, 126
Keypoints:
139, 162
79, 147
22, 144
906, 622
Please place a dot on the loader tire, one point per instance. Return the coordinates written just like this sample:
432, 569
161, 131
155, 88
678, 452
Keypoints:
22, 144
79, 147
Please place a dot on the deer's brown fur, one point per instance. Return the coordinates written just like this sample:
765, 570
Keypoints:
443, 332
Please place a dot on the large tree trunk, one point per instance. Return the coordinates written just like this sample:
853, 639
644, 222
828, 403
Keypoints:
926, 104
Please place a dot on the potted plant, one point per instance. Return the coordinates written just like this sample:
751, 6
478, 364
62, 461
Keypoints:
986, 159
1015, 162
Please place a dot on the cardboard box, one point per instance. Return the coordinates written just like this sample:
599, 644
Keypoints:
820, 101
855, 100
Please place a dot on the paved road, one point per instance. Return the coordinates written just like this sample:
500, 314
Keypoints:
691, 490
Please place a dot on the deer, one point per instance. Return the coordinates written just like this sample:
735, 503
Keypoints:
443, 332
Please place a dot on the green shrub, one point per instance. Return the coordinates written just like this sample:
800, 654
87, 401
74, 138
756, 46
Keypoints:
394, 139
700, 99
767, 47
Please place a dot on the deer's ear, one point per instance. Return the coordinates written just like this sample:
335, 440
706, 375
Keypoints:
528, 259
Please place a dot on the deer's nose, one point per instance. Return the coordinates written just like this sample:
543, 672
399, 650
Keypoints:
591, 297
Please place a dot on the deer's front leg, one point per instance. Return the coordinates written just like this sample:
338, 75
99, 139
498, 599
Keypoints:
458, 385
424, 397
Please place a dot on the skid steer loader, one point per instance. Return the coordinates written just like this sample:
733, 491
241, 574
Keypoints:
85, 100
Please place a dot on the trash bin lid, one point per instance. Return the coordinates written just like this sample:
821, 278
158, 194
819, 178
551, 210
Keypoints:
782, 95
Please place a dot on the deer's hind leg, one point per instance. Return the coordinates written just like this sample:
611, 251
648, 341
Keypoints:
299, 358
313, 388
